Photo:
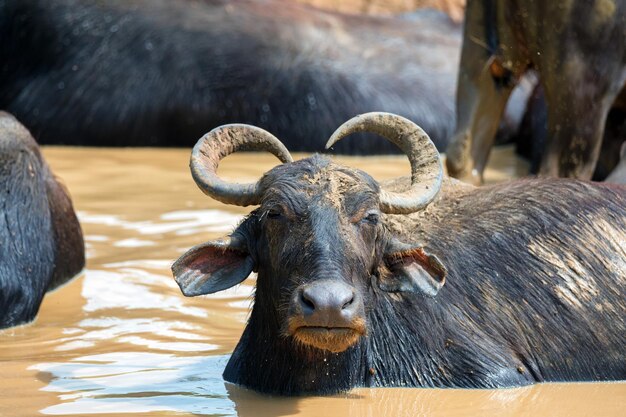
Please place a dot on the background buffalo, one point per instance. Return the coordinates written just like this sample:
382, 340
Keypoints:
578, 50
162, 73
41, 243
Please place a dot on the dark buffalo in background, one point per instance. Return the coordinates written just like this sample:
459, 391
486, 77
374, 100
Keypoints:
407, 285
577, 47
162, 73
41, 243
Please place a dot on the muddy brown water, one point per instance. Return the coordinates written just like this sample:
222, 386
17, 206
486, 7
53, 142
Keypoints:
121, 339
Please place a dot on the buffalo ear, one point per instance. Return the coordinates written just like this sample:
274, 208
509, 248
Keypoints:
69, 251
411, 269
211, 267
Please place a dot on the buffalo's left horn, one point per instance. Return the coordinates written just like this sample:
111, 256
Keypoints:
221, 142
426, 167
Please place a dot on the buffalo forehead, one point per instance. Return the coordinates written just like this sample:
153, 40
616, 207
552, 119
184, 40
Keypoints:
318, 180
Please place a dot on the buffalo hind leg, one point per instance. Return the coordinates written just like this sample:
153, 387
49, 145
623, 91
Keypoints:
576, 119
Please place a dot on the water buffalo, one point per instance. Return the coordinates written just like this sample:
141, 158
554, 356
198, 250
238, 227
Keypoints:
361, 284
41, 243
163, 72
578, 49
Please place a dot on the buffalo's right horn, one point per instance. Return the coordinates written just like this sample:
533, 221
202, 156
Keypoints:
221, 142
426, 167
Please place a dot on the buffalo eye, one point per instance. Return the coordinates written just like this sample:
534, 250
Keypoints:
371, 217
273, 214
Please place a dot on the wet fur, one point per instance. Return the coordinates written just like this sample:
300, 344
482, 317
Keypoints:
535, 292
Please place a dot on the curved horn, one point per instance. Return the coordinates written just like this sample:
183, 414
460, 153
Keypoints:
221, 142
426, 167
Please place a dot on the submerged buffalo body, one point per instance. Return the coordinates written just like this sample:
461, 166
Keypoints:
395, 285
161, 72
578, 49
41, 243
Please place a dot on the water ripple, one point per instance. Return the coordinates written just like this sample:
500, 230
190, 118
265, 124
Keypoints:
131, 382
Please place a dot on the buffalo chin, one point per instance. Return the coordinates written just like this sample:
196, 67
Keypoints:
332, 339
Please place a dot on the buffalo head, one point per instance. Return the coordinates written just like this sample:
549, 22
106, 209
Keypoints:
318, 239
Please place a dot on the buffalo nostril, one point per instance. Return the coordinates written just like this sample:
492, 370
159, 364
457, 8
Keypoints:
326, 299
348, 303
306, 301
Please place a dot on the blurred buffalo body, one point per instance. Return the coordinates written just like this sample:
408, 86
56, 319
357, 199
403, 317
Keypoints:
162, 73
530, 134
41, 243
578, 49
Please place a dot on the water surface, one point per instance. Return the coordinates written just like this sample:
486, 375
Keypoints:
121, 338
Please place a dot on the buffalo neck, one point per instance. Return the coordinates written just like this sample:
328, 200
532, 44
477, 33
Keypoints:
270, 362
